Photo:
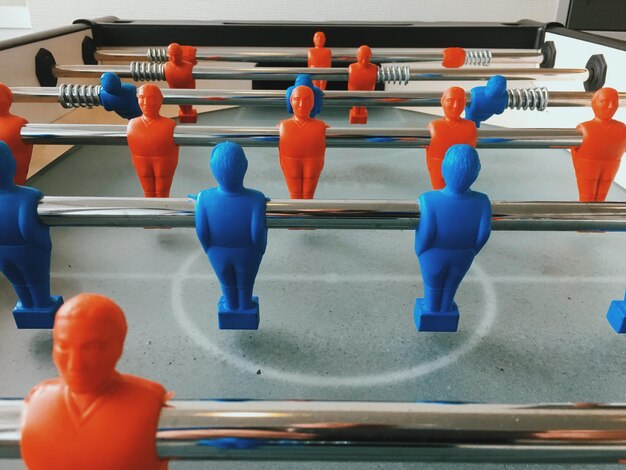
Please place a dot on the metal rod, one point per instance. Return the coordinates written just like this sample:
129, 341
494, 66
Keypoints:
331, 74
332, 98
290, 55
376, 431
328, 214
191, 135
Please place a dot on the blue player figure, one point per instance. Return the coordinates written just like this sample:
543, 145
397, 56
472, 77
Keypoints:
25, 248
230, 223
119, 97
617, 315
487, 100
455, 223
304, 79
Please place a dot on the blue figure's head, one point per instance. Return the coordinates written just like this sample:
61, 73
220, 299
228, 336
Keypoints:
7, 166
496, 86
229, 165
303, 79
111, 83
460, 168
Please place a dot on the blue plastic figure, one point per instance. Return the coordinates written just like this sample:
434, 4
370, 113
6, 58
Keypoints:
25, 249
119, 97
305, 80
487, 100
230, 223
617, 315
455, 224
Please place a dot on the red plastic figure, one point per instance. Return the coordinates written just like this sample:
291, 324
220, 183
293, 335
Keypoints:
189, 54
362, 75
302, 146
319, 57
453, 57
597, 160
10, 128
151, 142
447, 131
179, 74
91, 417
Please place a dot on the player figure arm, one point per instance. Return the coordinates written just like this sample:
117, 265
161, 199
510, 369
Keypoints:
427, 229
202, 223
259, 226
484, 229
32, 229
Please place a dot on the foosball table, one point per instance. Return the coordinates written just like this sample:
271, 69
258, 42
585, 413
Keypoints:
346, 347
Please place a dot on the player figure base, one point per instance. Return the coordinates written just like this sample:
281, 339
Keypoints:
442, 322
37, 318
188, 118
238, 319
617, 316
358, 117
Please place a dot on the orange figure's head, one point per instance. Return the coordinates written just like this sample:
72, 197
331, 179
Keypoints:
302, 101
88, 338
150, 100
364, 55
453, 102
6, 99
605, 102
319, 39
175, 53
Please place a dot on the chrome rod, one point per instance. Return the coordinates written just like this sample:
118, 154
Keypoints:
333, 74
332, 98
289, 55
328, 214
376, 431
191, 135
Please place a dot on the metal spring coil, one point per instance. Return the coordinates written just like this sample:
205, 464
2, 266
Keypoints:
399, 74
478, 57
528, 98
79, 96
147, 71
157, 54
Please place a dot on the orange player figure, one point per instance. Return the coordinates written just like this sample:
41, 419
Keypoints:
362, 75
10, 128
189, 54
302, 146
445, 132
151, 142
597, 160
179, 74
91, 417
319, 57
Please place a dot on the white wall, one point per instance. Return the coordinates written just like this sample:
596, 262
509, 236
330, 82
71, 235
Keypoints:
46, 14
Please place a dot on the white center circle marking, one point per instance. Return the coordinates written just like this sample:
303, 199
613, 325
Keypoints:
419, 370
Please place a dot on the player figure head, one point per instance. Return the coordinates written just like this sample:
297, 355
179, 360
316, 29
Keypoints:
175, 53
319, 39
111, 83
453, 102
363, 55
460, 168
303, 79
7, 166
6, 99
229, 165
496, 86
604, 103
302, 101
88, 338
150, 100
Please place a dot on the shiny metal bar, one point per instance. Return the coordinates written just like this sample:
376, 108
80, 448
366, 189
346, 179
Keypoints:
328, 214
335, 74
292, 55
332, 98
376, 431
191, 135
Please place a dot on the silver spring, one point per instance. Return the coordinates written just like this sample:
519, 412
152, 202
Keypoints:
157, 54
528, 98
147, 71
79, 96
478, 57
399, 74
